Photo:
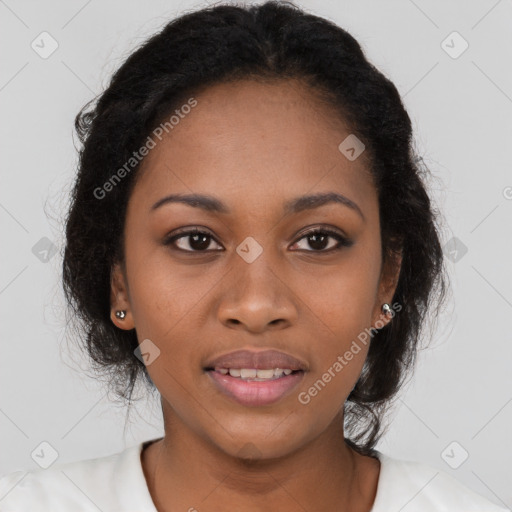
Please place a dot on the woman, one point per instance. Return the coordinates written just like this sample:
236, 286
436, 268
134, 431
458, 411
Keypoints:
250, 233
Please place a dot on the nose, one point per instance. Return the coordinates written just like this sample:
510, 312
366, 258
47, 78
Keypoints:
257, 298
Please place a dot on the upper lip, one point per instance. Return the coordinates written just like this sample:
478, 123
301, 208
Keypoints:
258, 360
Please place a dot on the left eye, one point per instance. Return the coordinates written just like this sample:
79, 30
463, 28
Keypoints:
319, 237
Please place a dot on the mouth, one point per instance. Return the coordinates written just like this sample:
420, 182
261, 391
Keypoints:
253, 374
256, 378
253, 387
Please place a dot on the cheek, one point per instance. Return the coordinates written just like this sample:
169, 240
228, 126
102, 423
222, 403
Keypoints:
338, 309
167, 302
327, 386
337, 302
163, 293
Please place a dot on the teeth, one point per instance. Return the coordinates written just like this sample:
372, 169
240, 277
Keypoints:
261, 374
248, 374
252, 373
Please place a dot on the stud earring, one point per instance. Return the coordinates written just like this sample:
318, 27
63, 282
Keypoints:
121, 314
386, 309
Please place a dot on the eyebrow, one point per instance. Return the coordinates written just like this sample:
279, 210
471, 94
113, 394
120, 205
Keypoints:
296, 205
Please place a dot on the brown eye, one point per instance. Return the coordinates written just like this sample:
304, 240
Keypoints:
195, 240
318, 239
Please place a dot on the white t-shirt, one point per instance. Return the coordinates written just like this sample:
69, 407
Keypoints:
116, 483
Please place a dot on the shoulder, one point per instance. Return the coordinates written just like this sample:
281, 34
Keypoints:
414, 486
87, 485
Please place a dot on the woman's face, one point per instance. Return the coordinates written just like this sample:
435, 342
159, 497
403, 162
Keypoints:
253, 279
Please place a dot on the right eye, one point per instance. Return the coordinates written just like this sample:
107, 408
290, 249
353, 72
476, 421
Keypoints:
198, 241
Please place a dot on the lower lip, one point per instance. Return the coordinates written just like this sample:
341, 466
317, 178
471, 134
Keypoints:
255, 393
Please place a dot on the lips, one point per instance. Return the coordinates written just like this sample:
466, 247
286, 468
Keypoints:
233, 374
256, 394
260, 360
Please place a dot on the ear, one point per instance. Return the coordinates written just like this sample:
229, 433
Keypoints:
387, 287
119, 298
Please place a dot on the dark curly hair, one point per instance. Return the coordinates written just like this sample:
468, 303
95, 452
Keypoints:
274, 40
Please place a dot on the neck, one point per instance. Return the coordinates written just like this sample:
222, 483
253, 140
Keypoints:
185, 472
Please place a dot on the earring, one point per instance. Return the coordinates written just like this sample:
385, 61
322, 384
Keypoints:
121, 314
386, 308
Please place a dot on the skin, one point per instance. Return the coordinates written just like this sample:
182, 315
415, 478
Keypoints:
254, 146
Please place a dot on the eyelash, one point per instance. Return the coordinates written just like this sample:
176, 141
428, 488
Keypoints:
342, 241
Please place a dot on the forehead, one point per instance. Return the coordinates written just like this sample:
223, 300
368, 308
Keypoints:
250, 142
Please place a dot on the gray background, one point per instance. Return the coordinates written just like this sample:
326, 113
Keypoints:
462, 113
